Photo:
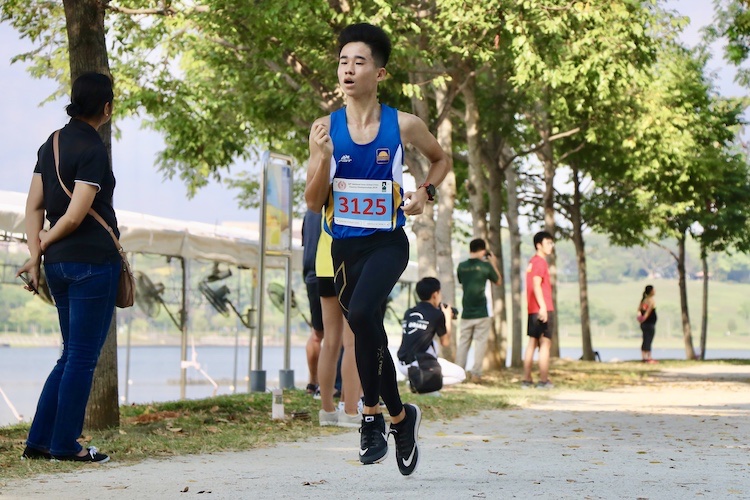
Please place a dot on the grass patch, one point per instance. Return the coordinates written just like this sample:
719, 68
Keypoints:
243, 421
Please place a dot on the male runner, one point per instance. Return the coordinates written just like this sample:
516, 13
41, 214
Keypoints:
355, 173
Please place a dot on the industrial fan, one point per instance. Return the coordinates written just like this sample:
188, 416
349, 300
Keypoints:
218, 299
277, 294
149, 297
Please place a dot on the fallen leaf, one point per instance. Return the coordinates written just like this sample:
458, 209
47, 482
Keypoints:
313, 483
185, 490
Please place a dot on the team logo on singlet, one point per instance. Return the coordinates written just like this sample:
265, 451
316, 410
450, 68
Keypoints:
345, 159
382, 156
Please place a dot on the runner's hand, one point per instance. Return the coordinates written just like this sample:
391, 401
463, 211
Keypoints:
322, 140
416, 201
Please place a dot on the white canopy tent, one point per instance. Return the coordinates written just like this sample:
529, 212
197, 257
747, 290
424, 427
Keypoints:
186, 240
142, 233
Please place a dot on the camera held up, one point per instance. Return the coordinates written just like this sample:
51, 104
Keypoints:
453, 310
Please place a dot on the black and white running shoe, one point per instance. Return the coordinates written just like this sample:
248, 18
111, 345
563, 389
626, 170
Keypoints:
373, 441
405, 435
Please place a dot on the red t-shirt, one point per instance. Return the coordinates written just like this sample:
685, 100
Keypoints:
538, 267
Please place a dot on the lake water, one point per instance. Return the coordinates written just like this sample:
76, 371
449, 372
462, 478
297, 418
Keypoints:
154, 373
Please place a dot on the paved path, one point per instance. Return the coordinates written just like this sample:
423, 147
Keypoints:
685, 436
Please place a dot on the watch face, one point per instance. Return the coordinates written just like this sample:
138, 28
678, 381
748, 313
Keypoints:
431, 191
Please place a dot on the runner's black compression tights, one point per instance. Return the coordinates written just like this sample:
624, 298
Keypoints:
367, 268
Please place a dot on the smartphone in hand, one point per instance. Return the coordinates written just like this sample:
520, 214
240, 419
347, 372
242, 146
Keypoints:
29, 283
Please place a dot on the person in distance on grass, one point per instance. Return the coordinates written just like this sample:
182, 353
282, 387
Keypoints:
541, 311
473, 274
647, 312
355, 174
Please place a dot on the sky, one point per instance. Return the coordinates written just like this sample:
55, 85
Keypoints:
140, 187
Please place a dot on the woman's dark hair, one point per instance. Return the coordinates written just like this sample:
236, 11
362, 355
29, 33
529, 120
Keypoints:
426, 287
91, 91
372, 36
646, 292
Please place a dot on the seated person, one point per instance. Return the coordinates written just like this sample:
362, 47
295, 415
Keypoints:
429, 318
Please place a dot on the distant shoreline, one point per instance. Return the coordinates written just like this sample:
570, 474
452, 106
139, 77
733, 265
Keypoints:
17, 340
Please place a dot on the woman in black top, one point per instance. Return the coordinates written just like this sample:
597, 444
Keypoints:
81, 264
647, 312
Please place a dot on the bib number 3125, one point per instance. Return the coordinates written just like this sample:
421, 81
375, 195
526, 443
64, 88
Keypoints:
363, 203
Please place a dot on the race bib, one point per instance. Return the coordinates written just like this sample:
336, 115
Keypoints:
363, 203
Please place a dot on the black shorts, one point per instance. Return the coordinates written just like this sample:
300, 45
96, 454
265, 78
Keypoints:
316, 314
326, 288
537, 329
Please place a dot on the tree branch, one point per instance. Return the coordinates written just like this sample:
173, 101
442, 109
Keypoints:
572, 151
551, 138
165, 10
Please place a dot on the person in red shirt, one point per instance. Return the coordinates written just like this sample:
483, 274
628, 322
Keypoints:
541, 311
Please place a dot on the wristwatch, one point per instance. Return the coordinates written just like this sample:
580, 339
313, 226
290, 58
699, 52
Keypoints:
431, 190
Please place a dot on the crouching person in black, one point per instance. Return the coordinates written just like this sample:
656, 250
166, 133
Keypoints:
418, 355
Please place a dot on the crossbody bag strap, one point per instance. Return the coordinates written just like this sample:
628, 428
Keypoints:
91, 212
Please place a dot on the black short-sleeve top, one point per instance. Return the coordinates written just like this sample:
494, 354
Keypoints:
83, 158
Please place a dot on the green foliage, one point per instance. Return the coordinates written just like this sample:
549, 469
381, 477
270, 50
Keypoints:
732, 23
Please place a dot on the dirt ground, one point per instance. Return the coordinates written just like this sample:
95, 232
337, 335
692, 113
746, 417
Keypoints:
683, 436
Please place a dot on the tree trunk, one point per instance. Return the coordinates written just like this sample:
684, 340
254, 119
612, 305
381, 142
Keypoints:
686, 331
575, 213
704, 312
103, 410
497, 348
88, 52
511, 216
444, 227
476, 182
545, 154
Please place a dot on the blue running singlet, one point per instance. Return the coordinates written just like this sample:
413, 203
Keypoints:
366, 191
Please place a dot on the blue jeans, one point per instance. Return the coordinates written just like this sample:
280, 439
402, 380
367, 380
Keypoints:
85, 298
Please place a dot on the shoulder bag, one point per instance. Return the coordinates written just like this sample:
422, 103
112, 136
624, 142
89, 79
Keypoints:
427, 377
126, 286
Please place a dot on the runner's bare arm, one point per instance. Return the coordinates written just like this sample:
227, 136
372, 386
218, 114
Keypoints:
319, 164
415, 132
